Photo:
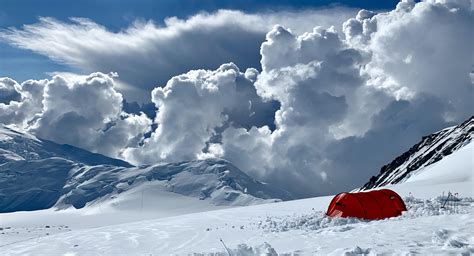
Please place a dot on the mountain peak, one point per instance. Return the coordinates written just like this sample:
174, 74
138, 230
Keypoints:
19, 143
38, 174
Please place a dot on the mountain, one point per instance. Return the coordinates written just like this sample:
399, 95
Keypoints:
20, 145
37, 174
429, 150
296, 227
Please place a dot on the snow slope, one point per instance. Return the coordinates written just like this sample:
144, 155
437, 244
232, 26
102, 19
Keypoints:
37, 174
429, 150
296, 227
16, 144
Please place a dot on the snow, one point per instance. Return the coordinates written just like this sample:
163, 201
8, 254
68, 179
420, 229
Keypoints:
454, 173
454, 164
296, 227
428, 151
36, 174
43, 183
189, 208
14, 141
425, 231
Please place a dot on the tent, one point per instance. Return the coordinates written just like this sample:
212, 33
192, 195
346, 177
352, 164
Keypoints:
371, 205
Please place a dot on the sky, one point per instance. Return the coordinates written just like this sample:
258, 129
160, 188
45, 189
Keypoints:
313, 97
116, 15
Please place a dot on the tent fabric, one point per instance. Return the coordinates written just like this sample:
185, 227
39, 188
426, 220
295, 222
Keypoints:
371, 205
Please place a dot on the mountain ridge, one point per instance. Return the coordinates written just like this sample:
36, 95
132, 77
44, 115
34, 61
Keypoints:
30, 147
37, 174
431, 149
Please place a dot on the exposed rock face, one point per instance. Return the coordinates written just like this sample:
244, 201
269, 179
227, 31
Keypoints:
429, 150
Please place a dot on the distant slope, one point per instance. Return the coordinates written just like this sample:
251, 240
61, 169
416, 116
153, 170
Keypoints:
429, 150
37, 174
21, 145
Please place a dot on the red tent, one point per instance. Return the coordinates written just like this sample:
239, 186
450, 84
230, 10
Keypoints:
371, 205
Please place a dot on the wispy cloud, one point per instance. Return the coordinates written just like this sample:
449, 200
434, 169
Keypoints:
147, 55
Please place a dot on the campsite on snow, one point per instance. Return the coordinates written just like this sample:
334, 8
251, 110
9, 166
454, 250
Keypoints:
153, 215
236, 128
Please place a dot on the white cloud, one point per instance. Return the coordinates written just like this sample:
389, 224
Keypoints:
346, 103
422, 48
349, 103
20, 103
190, 108
9, 90
147, 55
312, 76
84, 111
87, 112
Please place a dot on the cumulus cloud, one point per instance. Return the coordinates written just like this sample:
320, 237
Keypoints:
311, 75
147, 55
9, 90
87, 112
349, 102
19, 103
190, 109
422, 48
84, 111
341, 101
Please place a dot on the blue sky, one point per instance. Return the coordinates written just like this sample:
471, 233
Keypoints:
22, 64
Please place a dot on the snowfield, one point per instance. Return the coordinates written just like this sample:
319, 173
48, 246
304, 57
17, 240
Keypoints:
286, 228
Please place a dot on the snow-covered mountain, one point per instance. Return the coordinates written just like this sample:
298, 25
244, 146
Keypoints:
38, 174
16, 144
429, 150
296, 227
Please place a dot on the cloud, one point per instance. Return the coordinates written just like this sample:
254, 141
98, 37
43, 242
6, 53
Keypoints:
9, 90
349, 102
147, 55
87, 112
84, 111
190, 109
416, 49
19, 103
327, 109
312, 76
394, 130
